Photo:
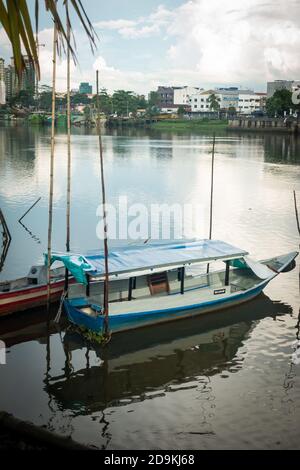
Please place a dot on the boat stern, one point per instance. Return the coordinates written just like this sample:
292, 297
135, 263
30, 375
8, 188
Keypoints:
80, 313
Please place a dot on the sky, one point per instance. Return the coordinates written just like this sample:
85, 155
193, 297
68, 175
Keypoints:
204, 43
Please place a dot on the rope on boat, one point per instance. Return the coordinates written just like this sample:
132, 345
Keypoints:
59, 312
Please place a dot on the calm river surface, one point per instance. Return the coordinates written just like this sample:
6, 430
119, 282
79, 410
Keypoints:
224, 380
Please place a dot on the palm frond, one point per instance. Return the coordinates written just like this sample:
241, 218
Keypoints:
16, 21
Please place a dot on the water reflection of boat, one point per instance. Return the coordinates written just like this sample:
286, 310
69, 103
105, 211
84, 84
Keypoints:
5, 240
28, 326
142, 364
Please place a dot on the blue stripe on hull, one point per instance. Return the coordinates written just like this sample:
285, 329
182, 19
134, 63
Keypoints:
126, 321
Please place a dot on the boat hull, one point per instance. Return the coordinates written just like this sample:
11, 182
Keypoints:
133, 320
28, 298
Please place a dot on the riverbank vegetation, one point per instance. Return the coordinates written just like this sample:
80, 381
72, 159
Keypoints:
191, 124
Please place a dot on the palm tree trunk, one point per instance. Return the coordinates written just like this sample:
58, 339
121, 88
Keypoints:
50, 218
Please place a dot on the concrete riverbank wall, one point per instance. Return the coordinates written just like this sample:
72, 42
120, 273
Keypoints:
265, 124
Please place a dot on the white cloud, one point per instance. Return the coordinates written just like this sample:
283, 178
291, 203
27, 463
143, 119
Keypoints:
142, 32
238, 41
115, 79
232, 42
115, 24
141, 27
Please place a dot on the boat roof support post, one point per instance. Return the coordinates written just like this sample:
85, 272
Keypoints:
130, 288
182, 276
227, 272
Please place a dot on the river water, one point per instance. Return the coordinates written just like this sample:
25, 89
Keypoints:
220, 381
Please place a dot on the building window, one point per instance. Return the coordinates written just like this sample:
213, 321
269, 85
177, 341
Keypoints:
195, 106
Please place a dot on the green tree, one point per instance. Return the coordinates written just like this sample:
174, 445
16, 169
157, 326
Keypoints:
153, 99
24, 99
124, 102
141, 102
105, 101
213, 102
280, 102
180, 110
45, 101
80, 98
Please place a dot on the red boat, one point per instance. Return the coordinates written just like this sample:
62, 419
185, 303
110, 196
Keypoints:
30, 291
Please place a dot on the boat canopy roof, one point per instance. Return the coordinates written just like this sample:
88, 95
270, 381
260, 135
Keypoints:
146, 258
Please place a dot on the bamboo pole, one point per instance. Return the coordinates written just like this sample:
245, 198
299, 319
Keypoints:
212, 192
212, 188
50, 217
30, 208
69, 144
106, 280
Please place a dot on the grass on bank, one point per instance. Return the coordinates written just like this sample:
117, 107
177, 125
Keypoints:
192, 124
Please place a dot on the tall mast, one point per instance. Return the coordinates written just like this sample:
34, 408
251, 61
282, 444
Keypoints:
69, 143
106, 280
50, 218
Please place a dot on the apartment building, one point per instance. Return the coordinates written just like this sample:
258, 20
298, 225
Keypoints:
182, 94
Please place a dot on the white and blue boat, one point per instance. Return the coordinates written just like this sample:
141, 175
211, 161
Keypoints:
164, 282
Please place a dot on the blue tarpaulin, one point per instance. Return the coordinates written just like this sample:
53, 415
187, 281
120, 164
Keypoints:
146, 257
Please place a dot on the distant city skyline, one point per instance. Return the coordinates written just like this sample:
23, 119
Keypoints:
180, 42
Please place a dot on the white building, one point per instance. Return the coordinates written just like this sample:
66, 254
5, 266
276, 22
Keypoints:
2, 93
182, 94
200, 102
249, 102
229, 97
244, 101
